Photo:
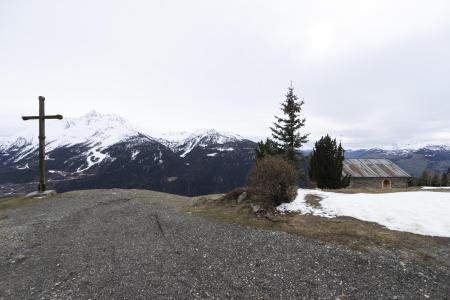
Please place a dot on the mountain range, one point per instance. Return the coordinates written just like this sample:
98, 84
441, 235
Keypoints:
106, 151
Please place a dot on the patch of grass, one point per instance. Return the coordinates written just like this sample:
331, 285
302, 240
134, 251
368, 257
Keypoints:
16, 202
351, 232
313, 200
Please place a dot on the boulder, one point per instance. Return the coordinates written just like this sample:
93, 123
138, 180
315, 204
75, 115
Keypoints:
256, 208
242, 197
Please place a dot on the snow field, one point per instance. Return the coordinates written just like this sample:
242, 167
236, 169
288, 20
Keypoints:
421, 212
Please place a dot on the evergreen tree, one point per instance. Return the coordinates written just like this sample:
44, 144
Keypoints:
444, 180
326, 164
424, 179
436, 181
286, 130
266, 148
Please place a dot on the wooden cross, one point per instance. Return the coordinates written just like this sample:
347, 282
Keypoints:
42, 117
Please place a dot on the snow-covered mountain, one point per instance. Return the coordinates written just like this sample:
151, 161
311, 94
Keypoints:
184, 142
414, 160
101, 150
104, 151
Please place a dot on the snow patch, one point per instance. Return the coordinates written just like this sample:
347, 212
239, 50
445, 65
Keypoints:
212, 154
94, 157
24, 167
426, 213
134, 154
158, 157
56, 172
224, 149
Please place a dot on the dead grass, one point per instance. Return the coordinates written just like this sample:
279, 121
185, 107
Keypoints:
351, 232
16, 202
313, 200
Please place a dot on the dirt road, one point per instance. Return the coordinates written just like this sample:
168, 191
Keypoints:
129, 244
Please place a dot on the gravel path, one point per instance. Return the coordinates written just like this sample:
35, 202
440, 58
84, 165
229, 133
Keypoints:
129, 244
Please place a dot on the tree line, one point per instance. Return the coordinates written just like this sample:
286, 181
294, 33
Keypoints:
436, 179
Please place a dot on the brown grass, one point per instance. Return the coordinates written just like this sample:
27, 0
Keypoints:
351, 232
313, 200
16, 202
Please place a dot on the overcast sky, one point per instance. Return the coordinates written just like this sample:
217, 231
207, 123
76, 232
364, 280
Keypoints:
370, 72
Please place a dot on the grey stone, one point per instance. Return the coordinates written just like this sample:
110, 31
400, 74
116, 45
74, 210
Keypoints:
268, 216
20, 258
256, 208
242, 197
41, 194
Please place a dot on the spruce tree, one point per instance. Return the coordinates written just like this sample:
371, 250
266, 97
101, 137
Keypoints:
286, 129
326, 164
266, 148
424, 179
436, 181
444, 180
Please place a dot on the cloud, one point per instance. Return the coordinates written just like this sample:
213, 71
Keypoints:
370, 71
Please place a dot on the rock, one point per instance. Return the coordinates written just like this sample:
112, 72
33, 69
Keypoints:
242, 197
41, 194
268, 216
256, 208
20, 258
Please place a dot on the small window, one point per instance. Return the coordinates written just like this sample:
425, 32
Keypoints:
386, 184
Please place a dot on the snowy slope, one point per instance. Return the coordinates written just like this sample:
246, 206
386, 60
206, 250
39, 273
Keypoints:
103, 151
426, 213
184, 142
95, 129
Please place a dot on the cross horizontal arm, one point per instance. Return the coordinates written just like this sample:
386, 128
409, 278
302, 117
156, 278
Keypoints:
30, 118
59, 117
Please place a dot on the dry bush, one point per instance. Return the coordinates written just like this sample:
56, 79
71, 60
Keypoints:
275, 179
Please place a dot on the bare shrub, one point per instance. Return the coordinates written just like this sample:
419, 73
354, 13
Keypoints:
275, 179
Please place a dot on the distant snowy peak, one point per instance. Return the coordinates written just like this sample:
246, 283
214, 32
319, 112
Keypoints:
208, 135
211, 136
437, 147
185, 142
97, 119
99, 130
405, 148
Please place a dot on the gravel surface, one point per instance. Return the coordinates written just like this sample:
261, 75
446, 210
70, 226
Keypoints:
129, 244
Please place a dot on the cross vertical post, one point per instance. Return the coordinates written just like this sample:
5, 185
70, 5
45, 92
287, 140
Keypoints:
41, 187
42, 117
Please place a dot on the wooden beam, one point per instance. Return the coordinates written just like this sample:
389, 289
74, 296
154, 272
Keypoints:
30, 118
58, 117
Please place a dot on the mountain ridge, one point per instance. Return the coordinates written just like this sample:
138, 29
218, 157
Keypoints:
105, 150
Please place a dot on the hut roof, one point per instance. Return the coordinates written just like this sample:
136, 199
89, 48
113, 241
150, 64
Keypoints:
371, 168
